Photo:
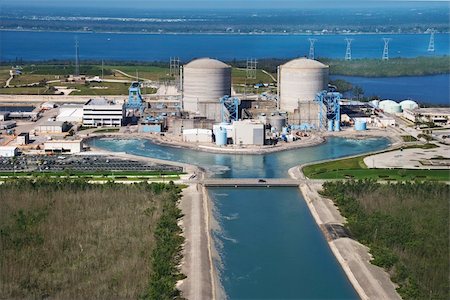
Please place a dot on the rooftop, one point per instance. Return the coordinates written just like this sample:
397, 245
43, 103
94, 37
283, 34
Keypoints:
304, 63
206, 63
100, 101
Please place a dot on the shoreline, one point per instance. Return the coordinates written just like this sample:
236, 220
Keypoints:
221, 33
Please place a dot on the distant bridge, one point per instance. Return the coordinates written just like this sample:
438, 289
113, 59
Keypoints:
250, 182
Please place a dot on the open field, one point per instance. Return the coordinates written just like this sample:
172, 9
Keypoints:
406, 228
68, 239
355, 168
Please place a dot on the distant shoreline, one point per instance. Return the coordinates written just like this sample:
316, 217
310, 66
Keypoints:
217, 33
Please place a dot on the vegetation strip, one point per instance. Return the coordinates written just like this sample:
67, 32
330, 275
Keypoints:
406, 229
66, 238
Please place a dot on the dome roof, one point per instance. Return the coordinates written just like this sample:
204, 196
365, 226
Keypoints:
409, 104
206, 63
304, 63
388, 103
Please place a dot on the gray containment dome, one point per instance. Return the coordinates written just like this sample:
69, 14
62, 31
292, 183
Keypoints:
205, 80
299, 81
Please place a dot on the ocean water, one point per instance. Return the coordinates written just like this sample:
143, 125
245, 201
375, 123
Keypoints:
268, 243
423, 89
33, 45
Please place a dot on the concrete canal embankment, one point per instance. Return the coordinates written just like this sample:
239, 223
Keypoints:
369, 281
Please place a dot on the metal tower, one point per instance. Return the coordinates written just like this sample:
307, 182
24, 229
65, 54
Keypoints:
348, 51
77, 58
311, 48
230, 108
251, 68
135, 100
329, 110
174, 66
431, 43
386, 49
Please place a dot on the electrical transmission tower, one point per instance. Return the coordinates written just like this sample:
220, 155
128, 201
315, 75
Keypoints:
348, 51
431, 43
311, 48
251, 68
386, 49
174, 66
77, 58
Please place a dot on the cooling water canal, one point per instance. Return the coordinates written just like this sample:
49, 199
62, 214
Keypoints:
269, 244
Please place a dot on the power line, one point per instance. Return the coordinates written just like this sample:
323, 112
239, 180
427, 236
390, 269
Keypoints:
348, 51
311, 47
386, 49
431, 43
251, 68
77, 58
174, 66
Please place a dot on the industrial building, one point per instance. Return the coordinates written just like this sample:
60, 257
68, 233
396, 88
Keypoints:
72, 113
53, 127
23, 138
7, 125
102, 112
437, 115
8, 151
63, 146
248, 132
197, 135
204, 82
299, 81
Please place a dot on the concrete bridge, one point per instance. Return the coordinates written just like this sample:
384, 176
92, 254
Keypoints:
250, 182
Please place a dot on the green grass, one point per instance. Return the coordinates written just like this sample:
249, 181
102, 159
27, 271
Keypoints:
25, 91
408, 138
354, 168
107, 130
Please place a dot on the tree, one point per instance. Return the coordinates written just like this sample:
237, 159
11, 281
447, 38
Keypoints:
358, 92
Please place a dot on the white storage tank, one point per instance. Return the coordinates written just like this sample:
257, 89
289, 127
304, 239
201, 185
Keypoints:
277, 122
390, 106
409, 104
205, 80
300, 80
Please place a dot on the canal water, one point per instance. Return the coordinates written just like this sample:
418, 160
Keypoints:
268, 242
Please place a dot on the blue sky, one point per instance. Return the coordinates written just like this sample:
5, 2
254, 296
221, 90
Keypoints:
157, 4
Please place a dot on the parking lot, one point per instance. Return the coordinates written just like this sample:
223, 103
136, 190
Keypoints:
97, 163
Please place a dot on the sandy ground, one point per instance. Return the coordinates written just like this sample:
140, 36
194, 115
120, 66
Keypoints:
369, 281
408, 158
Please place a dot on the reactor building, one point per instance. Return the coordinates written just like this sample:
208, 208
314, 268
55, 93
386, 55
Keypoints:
203, 82
299, 81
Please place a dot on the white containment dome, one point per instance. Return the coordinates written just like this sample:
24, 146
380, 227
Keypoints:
299, 81
390, 106
409, 104
205, 80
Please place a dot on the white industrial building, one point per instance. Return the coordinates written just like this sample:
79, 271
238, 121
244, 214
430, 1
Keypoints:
248, 132
437, 115
197, 135
204, 82
23, 138
299, 81
8, 151
64, 146
70, 113
53, 127
102, 112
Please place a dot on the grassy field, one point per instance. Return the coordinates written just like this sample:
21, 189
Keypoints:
26, 91
73, 240
355, 168
406, 227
